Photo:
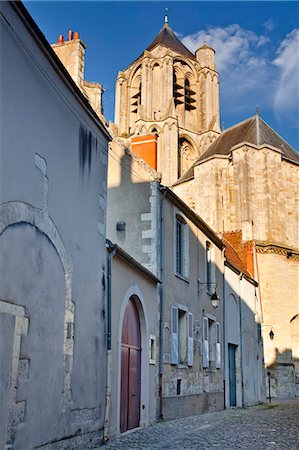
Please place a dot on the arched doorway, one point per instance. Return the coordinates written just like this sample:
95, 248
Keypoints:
130, 391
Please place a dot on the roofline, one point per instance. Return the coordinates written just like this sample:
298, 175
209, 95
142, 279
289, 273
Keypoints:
197, 220
183, 181
128, 258
235, 269
278, 135
291, 161
278, 246
62, 72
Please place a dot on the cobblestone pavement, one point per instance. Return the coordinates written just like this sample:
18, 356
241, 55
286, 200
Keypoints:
265, 427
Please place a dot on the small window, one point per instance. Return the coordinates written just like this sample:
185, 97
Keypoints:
181, 246
152, 350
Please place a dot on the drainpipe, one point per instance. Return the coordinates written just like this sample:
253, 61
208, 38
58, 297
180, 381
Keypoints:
224, 337
241, 337
161, 323
111, 253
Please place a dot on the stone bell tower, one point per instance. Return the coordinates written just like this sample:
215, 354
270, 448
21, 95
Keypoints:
172, 94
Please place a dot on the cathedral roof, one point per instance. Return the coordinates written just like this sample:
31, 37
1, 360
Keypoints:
254, 131
167, 38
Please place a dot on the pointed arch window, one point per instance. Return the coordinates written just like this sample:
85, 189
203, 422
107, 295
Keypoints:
178, 91
189, 96
136, 99
186, 156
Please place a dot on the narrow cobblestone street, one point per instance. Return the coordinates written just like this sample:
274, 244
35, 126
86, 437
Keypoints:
263, 427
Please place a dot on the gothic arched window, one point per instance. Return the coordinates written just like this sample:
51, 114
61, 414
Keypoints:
189, 96
178, 91
186, 156
136, 94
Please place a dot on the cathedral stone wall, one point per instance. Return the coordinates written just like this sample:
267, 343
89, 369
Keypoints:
279, 280
254, 184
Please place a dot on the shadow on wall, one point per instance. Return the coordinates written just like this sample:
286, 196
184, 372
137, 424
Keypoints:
283, 375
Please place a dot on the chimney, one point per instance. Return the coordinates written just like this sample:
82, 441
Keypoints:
72, 54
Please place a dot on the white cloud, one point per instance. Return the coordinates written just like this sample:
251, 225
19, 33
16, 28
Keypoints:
241, 63
270, 24
248, 73
287, 62
233, 44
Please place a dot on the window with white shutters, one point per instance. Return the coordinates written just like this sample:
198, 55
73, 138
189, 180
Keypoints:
205, 350
190, 339
218, 348
174, 349
181, 335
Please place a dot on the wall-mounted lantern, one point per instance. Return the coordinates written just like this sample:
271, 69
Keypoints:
215, 300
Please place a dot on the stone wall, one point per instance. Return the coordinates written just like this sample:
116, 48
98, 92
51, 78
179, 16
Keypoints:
53, 256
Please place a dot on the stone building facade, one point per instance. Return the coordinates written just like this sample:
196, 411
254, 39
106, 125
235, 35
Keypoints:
52, 246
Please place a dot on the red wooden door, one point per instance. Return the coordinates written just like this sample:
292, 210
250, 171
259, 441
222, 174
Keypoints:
130, 369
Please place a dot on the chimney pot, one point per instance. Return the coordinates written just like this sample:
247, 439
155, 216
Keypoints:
70, 35
60, 39
76, 35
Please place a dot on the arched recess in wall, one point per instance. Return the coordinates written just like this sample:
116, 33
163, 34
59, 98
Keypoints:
178, 86
186, 155
133, 306
12, 213
156, 91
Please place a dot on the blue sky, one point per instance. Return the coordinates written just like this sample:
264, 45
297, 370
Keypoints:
256, 43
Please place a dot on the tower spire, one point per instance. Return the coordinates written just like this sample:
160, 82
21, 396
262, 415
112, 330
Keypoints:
166, 15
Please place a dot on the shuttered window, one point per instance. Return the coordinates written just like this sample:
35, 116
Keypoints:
181, 336
190, 339
205, 349
174, 348
218, 348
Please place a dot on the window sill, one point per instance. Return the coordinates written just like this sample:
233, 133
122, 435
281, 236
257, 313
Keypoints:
182, 277
182, 366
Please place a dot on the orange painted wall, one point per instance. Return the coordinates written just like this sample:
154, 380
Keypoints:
146, 148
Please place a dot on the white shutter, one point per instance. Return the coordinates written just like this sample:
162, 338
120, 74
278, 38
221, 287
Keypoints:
218, 348
174, 349
205, 350
190, 339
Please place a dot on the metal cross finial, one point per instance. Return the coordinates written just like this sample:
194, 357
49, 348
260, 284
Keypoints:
257, 111
166, 16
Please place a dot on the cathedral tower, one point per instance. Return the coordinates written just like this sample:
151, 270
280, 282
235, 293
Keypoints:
171, 93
